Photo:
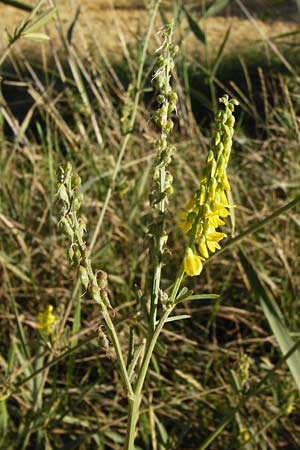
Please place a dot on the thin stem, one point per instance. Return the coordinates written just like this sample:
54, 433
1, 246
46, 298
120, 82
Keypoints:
134, 404
117, 346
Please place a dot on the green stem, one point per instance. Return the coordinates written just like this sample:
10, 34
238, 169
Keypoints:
133, 406
117, 347
133, 415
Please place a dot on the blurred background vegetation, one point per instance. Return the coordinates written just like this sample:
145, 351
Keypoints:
63, 100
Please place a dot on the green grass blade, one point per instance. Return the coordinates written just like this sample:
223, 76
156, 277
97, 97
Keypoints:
257, 226
16, 4
195, 27
216, 8
274, 317
3, 421
196, 297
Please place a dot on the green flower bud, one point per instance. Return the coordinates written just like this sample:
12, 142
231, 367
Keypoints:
160, 98
76, 181
173, 97
174, 49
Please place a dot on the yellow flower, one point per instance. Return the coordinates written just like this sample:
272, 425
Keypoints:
192, 263
46, 320
290, 408
244, 434
204, 213
203, 247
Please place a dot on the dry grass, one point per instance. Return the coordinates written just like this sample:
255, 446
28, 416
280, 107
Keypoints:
114, 27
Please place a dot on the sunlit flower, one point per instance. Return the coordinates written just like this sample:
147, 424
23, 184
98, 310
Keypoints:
46, 320
192, 263
205, 212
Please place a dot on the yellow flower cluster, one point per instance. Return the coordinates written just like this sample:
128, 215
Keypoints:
204, 213
46, 320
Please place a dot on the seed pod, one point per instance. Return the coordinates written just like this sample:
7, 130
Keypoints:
102, 339
102, 279
76, 202
66, 227
71, 255
104, 298
84, 277
63, 194
95, 291
68, 172
81, 227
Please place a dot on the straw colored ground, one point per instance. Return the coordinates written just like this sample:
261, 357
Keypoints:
112, 24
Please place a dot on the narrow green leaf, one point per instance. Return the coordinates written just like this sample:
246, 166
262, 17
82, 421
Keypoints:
218, 58
42, 20
215, 8
16, 4
134, 360
3, 421
184, 292
13, 268
195, 27
35, 36
180, 317
196, 297
274, 317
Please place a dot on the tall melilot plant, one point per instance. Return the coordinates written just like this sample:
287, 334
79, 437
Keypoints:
200, 222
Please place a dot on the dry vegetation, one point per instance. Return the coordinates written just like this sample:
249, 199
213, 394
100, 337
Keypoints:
67, 105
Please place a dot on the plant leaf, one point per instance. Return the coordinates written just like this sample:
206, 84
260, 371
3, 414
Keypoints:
35, 36
215, 8
17, 4
196, 297
42, 20
274, 317
180, 317
195, 27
